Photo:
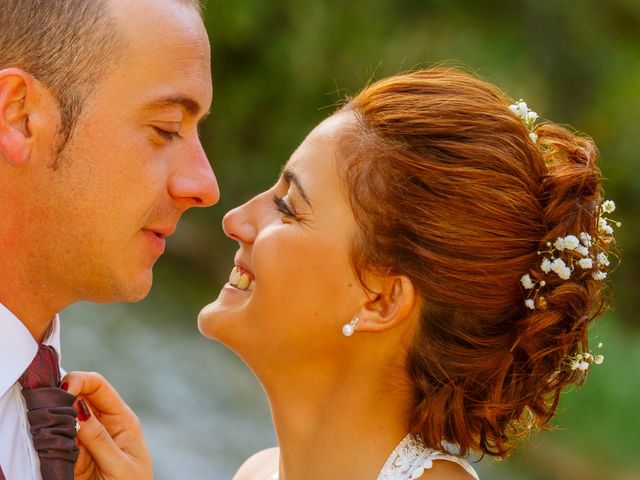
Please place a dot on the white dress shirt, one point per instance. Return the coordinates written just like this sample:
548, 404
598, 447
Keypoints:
18, 458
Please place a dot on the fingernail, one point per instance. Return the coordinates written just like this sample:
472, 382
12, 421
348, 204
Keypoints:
83, 411
64, 386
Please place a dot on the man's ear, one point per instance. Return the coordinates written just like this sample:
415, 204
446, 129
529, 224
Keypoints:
19, 99
392, 302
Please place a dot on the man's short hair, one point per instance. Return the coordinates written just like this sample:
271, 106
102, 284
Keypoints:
68, 45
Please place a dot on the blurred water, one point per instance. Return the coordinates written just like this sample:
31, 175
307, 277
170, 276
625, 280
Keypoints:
202, 410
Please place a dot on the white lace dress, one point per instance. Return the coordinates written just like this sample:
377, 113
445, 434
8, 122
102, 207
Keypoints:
411, 458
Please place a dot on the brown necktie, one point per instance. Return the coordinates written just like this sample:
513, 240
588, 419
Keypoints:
51, 416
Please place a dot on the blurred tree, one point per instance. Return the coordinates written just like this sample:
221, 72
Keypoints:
280, 67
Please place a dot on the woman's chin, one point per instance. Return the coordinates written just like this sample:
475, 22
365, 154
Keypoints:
210, 318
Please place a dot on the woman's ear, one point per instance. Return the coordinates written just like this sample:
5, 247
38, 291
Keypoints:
392, 302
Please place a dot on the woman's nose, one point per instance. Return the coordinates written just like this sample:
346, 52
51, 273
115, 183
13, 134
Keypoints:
238, 225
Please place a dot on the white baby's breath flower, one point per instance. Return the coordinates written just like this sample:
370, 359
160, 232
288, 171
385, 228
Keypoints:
522, 109
571, 242
557, 264
575, 364
527, 282
604, 226
561, 269
608, 206
585, 263
587, 356
532, 116
582, 250
600, 345
533, 137
598, 359
583, 366
542, 283
603, 260
599, 275
545, 266
559, 243
530, 303
585, 238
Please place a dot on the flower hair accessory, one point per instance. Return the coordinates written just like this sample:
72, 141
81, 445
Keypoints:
570, 253
582, 361
563, 258
568, 256
529, 117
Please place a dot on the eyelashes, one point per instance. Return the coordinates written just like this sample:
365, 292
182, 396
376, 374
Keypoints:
166, 134
283, 208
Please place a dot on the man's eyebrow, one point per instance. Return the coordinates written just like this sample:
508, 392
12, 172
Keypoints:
191, 106
291, 177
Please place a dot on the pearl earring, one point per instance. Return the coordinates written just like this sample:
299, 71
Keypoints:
349, 328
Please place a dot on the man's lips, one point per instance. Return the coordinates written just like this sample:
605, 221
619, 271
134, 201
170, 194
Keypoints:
157, 236
161, 232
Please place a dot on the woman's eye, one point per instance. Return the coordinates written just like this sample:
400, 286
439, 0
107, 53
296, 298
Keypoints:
167, 134
282, 207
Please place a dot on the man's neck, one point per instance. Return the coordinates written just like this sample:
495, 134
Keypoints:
27, 287
39, 330
32, 311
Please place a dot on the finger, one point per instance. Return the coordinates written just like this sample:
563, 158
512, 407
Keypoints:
82, 468
94, 387
93, 436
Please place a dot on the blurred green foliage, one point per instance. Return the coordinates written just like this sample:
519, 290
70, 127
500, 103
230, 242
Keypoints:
280, 67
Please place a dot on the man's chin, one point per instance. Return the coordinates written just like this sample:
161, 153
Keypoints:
138, 291
126, 291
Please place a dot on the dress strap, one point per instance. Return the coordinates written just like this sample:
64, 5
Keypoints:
411, 458
460, 461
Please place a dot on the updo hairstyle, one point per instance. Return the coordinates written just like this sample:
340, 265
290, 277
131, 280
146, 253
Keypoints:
448, 188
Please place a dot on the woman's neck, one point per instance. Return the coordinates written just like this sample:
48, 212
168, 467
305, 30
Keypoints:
339, 424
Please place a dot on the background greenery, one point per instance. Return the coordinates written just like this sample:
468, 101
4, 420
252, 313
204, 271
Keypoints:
281, 66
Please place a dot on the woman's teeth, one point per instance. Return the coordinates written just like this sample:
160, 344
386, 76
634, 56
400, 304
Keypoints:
240, 280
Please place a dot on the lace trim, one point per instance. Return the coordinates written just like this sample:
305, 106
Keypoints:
410, 459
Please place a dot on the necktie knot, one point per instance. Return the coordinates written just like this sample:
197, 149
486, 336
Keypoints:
44, 370
51, 415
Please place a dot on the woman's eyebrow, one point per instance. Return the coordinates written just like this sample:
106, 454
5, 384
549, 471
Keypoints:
291, 177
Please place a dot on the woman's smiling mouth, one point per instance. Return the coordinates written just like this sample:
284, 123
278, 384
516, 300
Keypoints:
241, 279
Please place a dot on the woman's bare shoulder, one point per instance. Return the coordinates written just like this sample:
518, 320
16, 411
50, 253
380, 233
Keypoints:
446, 470
260, 465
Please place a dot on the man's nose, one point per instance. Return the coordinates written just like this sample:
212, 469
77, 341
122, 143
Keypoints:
194, 183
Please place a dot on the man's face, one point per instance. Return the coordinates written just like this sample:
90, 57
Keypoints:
135, 162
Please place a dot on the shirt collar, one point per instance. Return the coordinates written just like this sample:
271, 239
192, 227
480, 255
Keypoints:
18, 348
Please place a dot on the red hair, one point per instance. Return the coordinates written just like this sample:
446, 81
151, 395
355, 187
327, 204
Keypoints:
448, 189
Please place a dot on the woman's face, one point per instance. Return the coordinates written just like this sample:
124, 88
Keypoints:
292, 287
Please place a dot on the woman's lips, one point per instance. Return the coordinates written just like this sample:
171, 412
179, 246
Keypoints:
241, 279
